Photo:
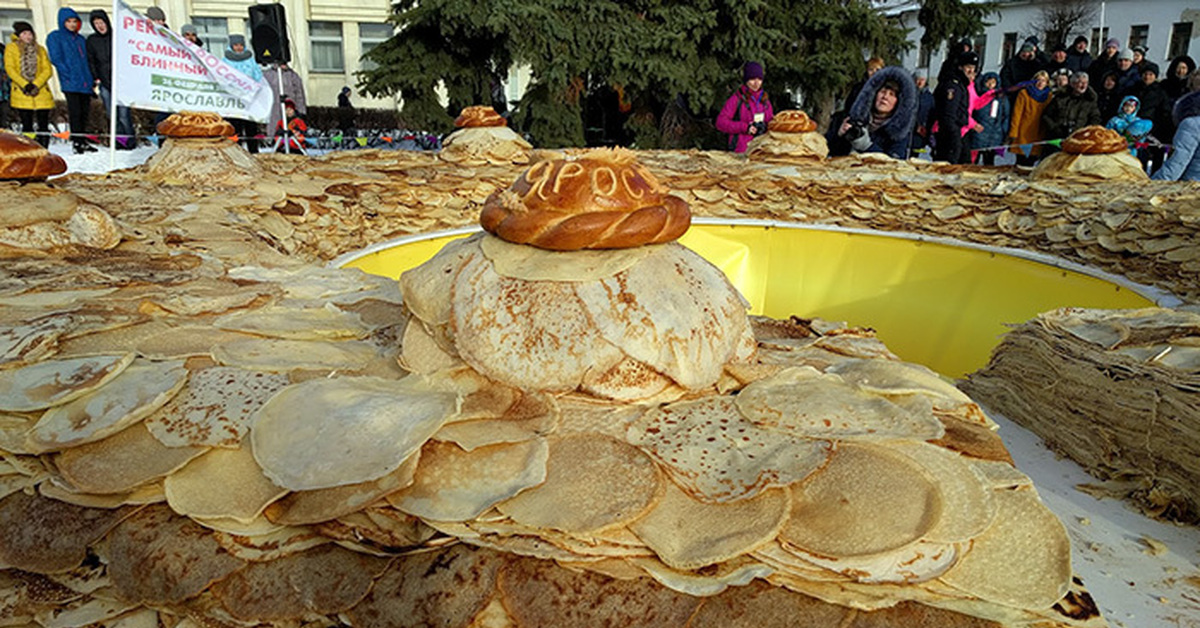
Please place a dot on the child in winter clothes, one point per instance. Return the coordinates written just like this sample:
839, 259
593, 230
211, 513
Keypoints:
1128, 124
991, 117
296, 128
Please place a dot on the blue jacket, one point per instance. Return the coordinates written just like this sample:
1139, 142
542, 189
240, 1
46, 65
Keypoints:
893, 136
1183, 164
68, 53
993, 116
246, 66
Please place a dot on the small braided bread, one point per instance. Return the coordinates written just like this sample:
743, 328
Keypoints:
603, 200
791, 121
23, 158
479, 115
1094, 140
195, 124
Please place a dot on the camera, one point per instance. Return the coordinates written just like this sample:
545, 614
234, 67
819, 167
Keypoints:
856, 130
759, 127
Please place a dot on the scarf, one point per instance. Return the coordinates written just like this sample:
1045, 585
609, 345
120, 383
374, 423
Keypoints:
878, 119
1039, 95
238, 56
29, 60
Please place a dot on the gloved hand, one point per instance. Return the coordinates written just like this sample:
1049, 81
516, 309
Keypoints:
30, 89
860, 142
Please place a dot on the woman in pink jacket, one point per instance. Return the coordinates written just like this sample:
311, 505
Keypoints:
747, 112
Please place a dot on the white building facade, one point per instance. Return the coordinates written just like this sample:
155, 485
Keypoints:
1167, 28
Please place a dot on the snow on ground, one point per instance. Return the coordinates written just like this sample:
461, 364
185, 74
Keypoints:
1142, 573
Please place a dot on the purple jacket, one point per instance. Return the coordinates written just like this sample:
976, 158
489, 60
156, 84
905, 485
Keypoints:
738, 113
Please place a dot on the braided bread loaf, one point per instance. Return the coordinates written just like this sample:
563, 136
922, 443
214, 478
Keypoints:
791, 121
23, 158
479, 115
195, 124
1094, 140
603, 200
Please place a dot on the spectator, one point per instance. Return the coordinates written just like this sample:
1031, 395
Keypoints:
1176, 79
1183, 164
99, 56
1021, 67
1071, 110
950, 65
5, 91
242, 60
952, 108
1025, 130
1155, 106
1127, 74
189, 33
1058, 60
920, 137
68, 53
881, 119
1139, 57
874, 64
1104, 62
1060, 79
296, 128
1133, 127
1078, 57
156, 15
747, 112
293, 89
28, 67
1108, 97
991, 120
345, 110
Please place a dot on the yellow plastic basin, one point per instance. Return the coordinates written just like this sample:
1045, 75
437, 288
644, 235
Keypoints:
938, 303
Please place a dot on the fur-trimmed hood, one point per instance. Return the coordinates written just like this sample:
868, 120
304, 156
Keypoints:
901, 122
1187, 107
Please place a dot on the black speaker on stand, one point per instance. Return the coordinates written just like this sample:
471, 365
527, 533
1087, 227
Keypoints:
268, 34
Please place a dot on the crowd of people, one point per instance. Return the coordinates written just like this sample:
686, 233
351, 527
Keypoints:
1027, 108
84, 67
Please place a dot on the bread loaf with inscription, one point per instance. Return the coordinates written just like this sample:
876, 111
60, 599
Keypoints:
1094, 140
195, 124
477, 116
603, 199
791, 121
23, 158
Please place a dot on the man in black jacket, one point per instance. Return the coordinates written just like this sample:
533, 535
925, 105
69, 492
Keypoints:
1078, 57
99, 58
952, 107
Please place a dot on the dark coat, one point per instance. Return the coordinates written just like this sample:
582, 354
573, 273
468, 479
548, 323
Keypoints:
1177, 87
1078, 61
1156, 107
1017, 70
100, 50
924, 119
1128, 79
1100, 66
893, 136
952, 103
993, 116
1068, 112
68, 53
1183, 163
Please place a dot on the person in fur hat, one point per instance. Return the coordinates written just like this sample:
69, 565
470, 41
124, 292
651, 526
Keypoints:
882, 117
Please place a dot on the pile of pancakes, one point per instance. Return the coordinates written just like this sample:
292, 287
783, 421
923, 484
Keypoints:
509, 436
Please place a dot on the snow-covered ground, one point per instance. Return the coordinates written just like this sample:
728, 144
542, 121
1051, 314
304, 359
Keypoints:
1142, 573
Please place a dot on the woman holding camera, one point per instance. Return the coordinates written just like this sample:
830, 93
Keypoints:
747, 112
28, 66
881, 119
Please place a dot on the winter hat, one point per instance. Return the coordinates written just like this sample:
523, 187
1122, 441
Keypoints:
968, 58
1078, 39
155, 13
1032, 41
1141, 49
1063, 72
1126, 55
1058, 48
288, 102
188, 28
1150, 66
752, 70
1112, 43
236, 39
1028, 47
21, 27
920, 74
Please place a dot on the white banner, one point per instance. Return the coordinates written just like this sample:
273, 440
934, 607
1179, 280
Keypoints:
156, 69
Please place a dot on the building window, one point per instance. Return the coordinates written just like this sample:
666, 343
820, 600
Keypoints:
8, 16
214, 32
326, 38
369, 36
1181, 39
1139, 35
979, 44
1099, 37
1009, 48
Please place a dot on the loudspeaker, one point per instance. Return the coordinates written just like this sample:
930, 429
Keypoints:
268, 34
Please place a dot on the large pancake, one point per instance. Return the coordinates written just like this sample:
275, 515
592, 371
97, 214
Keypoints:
49, 536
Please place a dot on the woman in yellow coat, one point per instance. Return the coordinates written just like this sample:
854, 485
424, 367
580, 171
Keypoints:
1026, 127
28, 66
